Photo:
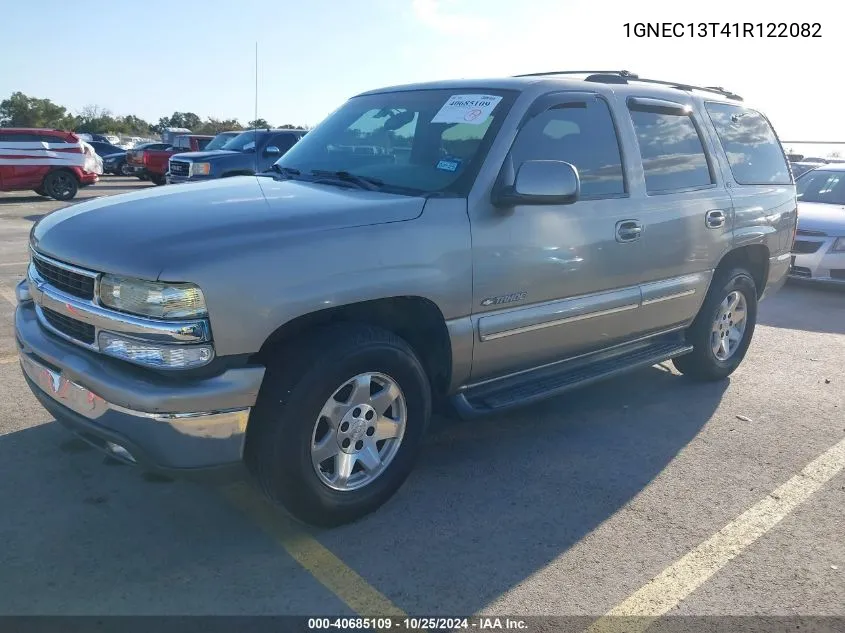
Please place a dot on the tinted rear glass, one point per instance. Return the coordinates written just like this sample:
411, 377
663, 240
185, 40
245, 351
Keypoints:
671, 149
754, 152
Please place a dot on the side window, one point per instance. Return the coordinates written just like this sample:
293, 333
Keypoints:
754, 152
21, 138
581, 133
671, 149
283, 141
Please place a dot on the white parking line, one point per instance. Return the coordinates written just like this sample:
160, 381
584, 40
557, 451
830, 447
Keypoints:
666, 590
5, 264
8, 360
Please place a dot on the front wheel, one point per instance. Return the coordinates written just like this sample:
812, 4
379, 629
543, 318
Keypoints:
722, 331
338, 423
158, 180
125, 169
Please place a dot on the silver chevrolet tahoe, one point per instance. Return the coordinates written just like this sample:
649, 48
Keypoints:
470, 246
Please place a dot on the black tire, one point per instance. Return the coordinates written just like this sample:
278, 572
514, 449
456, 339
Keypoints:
158, 180
40, 191
60, 185
124, 170
278, 445
702, 363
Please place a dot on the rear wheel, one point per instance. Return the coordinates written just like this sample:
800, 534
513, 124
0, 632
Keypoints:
158, 180
124, 169
60, 185
722, 331
335, 434
40, 191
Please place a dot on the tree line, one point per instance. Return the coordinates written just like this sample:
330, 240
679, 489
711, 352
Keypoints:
21, 110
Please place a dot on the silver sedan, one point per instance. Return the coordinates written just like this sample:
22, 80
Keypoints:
819, 250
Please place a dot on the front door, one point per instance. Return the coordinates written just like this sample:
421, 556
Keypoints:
553, 281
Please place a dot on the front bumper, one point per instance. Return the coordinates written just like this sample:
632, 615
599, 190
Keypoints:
821, 266
194, 427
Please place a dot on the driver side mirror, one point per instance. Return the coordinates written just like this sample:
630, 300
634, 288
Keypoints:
272, 150
541, 182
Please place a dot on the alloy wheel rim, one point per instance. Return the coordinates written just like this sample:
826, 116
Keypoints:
358, 431
729, 326
61, 185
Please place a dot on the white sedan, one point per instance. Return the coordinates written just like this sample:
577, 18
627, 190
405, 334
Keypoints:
819, 249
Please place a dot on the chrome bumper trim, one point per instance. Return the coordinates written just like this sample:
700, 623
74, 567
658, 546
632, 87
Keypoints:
91, 406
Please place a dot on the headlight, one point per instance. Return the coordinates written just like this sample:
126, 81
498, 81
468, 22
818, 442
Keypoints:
838, 245
153, 354
152, 298
200, 169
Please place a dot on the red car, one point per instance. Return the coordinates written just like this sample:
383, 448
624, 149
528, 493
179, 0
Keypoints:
150, 161
52, 163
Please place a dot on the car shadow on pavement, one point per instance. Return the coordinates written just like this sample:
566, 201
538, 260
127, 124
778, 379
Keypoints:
99, 187
24, 199
801, 306
84, 534
493, 502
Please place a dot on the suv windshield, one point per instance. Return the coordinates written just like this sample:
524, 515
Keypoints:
219, 141
415, 141
243, 142
822, 185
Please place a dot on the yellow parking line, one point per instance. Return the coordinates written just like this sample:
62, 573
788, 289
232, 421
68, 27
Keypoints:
666, 590
327, 568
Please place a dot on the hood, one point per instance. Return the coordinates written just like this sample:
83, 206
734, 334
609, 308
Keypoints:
140, 234
820, 216
215, 154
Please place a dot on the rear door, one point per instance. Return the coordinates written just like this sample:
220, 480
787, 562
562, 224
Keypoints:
681, 205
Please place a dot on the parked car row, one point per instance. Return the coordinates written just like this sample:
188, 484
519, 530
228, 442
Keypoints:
818, 253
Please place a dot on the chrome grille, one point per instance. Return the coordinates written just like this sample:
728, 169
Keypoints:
179, 168
77, 330
64, 278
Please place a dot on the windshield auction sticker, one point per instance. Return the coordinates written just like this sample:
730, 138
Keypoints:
472, 109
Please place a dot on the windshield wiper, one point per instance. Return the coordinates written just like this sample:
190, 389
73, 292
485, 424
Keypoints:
288, 173
362, 182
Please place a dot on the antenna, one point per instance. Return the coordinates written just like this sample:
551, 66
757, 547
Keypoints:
255, 125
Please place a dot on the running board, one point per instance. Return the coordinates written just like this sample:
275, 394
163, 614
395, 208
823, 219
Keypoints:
546, 382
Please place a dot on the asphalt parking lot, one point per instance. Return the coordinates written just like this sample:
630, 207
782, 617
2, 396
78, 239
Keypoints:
645, 493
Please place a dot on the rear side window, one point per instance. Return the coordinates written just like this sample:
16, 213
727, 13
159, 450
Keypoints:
52, 139
580, 133
21, 138
671, 149
754, 152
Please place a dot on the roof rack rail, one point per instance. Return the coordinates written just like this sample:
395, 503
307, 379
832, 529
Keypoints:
621, 73
624, 76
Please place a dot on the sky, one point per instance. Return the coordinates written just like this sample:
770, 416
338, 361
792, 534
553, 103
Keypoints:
152, 59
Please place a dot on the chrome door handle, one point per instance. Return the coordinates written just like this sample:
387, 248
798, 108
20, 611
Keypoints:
628, 230
715, 219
